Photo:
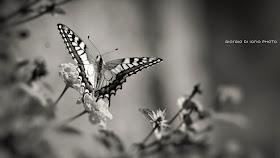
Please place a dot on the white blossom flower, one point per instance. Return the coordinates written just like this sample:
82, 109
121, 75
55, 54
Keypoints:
98, 111
90, 104
158, 120
70, 76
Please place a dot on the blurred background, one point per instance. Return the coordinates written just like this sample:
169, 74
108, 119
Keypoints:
190, 38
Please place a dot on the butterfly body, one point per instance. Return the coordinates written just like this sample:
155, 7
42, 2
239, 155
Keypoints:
102, 79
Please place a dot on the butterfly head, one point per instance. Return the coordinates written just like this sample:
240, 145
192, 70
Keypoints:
99, 59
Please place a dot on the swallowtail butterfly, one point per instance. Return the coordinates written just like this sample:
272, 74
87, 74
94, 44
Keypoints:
100, 78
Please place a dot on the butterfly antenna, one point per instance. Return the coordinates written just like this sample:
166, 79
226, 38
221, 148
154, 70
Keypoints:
111, 51
94, 46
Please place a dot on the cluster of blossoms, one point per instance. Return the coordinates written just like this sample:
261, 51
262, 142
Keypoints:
98, 110
70, 75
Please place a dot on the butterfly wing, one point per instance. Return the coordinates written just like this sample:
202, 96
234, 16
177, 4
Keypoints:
78, 50
121, 69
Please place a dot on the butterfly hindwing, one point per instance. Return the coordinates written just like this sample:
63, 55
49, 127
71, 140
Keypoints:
78, 50
123, 68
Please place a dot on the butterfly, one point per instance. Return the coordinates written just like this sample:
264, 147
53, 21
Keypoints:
97, 77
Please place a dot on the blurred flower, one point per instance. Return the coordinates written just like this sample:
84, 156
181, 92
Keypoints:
23, 71
187, 105
234, 118
197, 122
70, 76
195, 107
39, 70
232, 94
52, 8
38, 93
233, 148
159, 122
28, 72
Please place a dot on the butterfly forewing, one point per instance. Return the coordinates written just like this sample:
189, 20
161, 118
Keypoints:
78, 50
122, 68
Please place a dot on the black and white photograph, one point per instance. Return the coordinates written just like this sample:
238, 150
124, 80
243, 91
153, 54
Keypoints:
139, 79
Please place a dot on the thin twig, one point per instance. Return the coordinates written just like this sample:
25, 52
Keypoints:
142, 144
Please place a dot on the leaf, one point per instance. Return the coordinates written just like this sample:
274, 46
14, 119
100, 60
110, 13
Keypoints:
110, 140
69, 130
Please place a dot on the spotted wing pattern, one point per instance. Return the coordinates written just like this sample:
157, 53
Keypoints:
123, 68
78, 50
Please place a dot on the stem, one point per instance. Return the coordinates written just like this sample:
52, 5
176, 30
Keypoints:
32, 17
195, 90
149, 135
64, 90
72, 118
20, 10
176, 115
187, 117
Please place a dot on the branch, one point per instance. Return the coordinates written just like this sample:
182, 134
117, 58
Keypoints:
196, 90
